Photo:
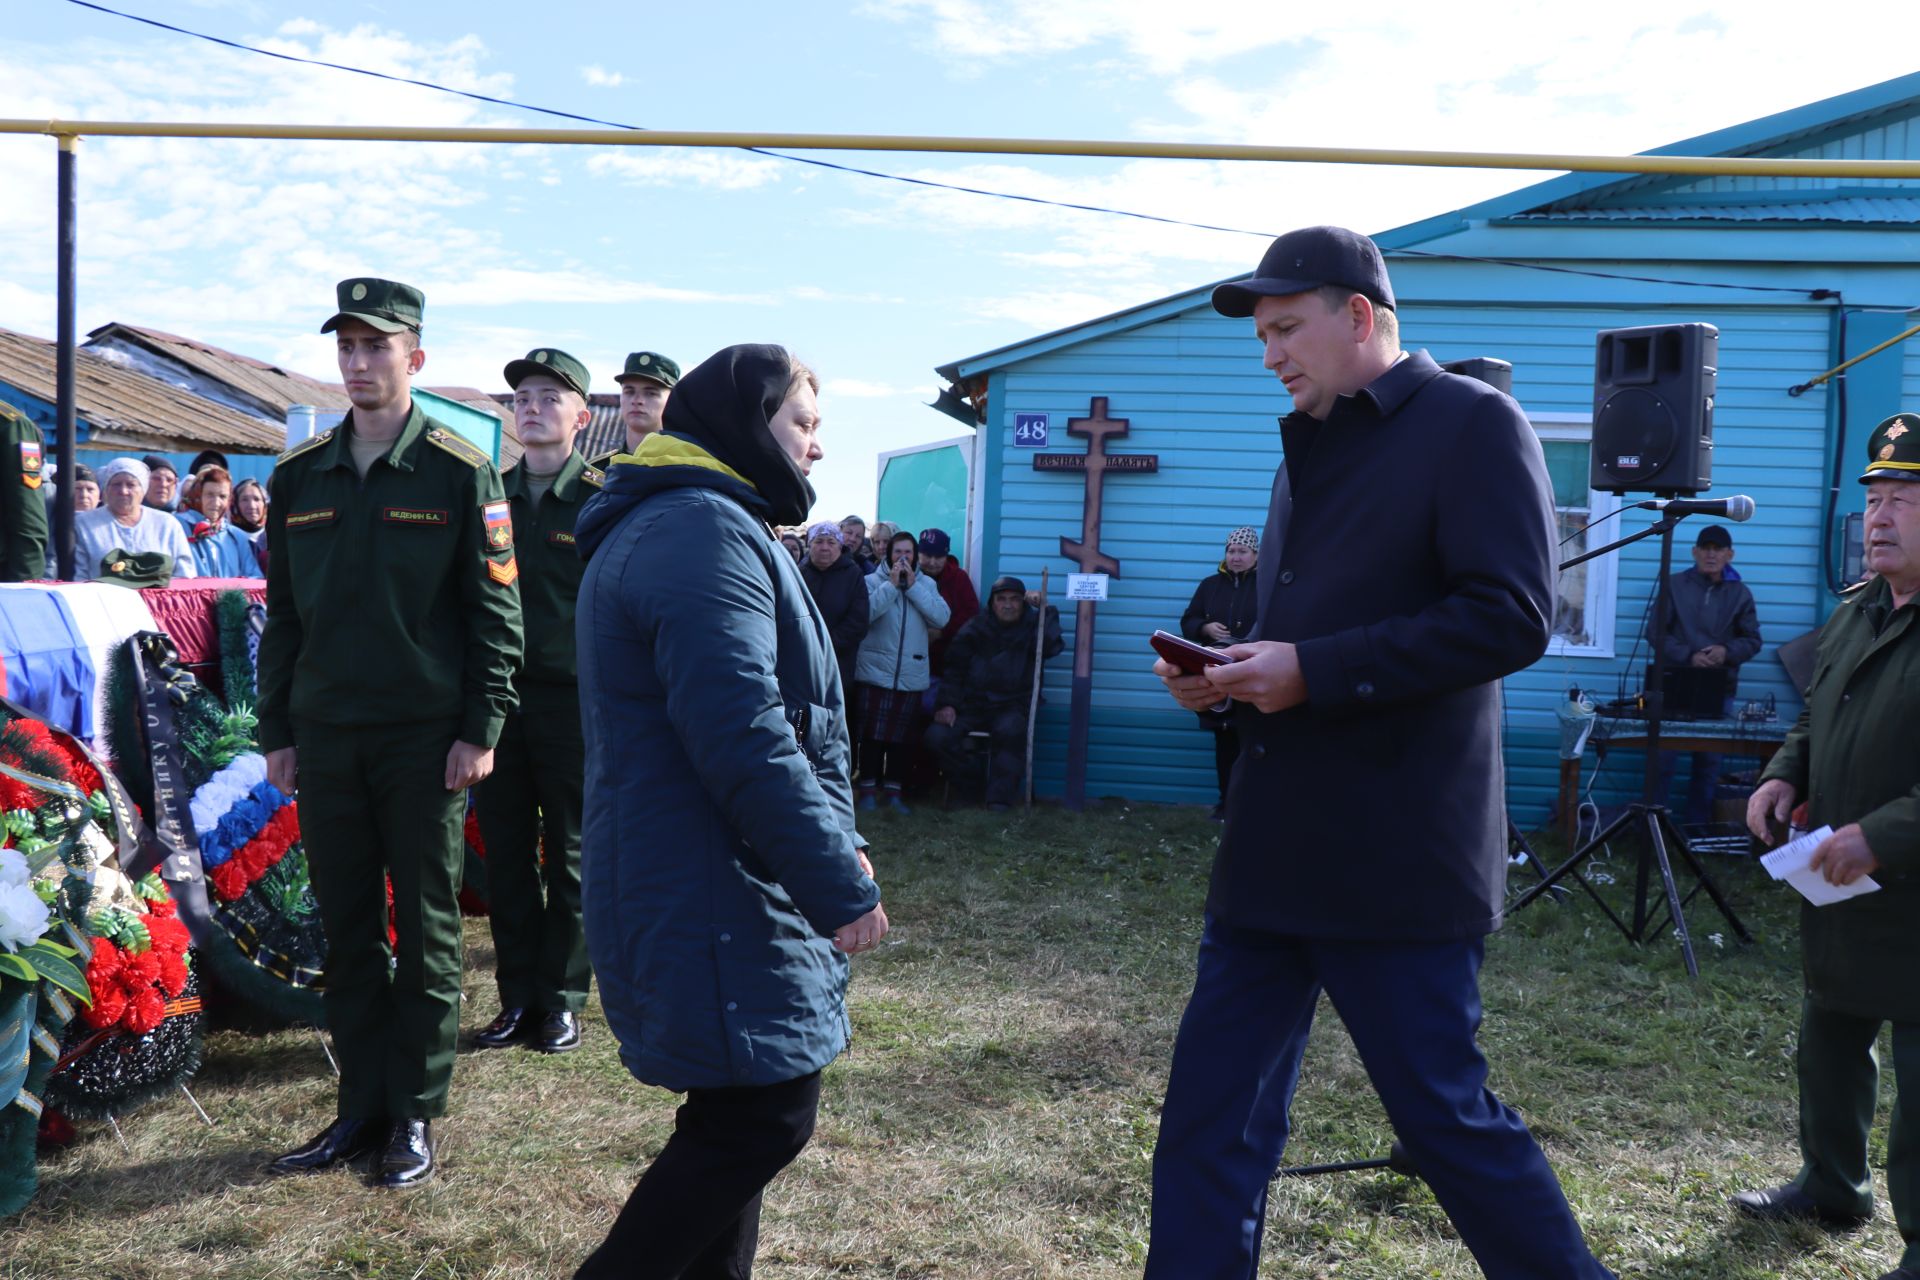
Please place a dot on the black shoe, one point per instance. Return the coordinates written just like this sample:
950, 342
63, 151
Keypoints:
559, 1032
510, 1027
408, 1159
1790, 1203
339, 1142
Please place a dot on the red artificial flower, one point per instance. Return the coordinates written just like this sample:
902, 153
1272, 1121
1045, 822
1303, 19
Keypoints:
109, 1006
229, 879
145, 1011
164, 907
103, 969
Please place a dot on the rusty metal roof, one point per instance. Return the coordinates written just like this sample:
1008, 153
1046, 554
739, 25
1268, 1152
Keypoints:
125, 408
273, 389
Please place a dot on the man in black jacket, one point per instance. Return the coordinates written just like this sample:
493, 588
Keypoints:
1711, 625
840, 589
988, 687
1363, 854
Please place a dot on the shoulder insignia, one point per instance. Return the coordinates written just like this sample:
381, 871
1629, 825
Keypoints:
306, 446
593, 476
456, 446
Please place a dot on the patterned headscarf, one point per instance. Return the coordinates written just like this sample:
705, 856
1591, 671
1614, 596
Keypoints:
1245, 536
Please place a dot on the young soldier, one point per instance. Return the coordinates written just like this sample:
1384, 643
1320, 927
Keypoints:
645, 381
23, 510
536, 784
393, 629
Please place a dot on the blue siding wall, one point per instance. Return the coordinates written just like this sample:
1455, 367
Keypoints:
1193, 390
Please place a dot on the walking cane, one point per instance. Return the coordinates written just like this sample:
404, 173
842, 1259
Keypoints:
1039, 656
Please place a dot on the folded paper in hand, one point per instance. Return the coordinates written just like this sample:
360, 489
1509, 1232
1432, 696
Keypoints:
1789, 863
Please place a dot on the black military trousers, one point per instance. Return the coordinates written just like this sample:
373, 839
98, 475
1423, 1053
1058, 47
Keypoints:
374, 804
533, 895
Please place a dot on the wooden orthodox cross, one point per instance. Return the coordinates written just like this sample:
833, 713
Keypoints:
1085, 552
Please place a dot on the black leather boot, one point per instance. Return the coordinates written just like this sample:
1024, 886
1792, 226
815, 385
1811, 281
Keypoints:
408, 1158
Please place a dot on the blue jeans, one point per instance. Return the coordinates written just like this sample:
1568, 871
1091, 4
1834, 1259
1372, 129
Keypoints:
1413, 1010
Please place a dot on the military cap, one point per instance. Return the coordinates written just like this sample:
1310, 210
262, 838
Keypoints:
136, 568
552, 362
387, 305
1893, 450
650, 365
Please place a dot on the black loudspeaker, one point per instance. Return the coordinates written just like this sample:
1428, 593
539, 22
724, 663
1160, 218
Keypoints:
1653, 389
1497, 374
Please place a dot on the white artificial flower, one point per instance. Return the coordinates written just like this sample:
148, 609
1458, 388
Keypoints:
23, 917
13, 867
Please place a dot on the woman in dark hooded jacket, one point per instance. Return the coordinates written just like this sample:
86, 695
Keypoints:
723, 883
1222, 612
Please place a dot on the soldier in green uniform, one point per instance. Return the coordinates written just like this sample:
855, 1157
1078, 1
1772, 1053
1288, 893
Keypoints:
393, 631
530, 806
23, 507
645, 380
1851, 759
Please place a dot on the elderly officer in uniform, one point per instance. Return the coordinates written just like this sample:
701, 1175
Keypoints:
1851, 759
1364, 851
393, 630
645, 382
23, 512
530, 806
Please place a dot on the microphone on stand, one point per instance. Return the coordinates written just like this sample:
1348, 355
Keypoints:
1736, 507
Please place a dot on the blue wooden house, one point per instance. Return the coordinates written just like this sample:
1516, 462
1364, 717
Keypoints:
1797, 274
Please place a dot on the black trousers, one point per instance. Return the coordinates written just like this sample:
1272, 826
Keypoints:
1006, 731
1226, 750
695, 1214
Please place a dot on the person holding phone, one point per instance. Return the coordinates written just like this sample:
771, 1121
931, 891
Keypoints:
1407, 566
1222, 612
892, 669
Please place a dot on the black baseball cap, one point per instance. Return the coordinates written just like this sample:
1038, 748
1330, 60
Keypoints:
1714, 536
1006, 582
935, 542
1303, 260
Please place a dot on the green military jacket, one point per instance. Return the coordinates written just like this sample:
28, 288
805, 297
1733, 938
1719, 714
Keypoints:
1852, 758
550, 567
23, 505
391, 600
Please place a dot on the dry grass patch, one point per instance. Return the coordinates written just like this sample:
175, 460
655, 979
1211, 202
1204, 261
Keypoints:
997, 1113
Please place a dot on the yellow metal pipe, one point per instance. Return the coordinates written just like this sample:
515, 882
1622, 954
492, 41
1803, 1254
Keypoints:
1811, 383
1744, 166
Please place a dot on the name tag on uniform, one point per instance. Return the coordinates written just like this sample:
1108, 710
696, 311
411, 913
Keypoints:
560, 538
499, 523
413, 515
308, 519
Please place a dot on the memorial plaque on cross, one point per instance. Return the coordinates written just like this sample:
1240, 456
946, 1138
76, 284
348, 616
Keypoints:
1085, 552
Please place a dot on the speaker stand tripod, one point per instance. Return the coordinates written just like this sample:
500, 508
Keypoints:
1647, 817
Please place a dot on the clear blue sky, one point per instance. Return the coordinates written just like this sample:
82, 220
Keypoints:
602, 251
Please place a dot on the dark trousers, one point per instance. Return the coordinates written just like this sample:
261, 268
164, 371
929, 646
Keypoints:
1006, 732
1413, 1010
374, 804
1226, 750
1839, 1083
695, 1214
533, 885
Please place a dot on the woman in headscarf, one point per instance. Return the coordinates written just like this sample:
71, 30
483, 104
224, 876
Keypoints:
723, 881
220, 550
892, 669
1224, 608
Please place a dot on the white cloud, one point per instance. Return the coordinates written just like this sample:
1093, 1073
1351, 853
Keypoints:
673, 166
601, 78
1158, 36
506, 286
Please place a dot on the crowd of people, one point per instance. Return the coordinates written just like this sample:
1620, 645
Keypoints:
671, 767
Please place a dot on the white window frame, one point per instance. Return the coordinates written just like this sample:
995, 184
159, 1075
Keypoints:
1602, 572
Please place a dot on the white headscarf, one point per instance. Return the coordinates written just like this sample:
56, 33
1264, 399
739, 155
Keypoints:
131, 466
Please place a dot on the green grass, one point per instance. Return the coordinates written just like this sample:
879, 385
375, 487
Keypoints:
996, 1115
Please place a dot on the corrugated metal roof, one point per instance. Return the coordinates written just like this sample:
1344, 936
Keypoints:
605, 430
272, 388
1853, 209
123, 407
